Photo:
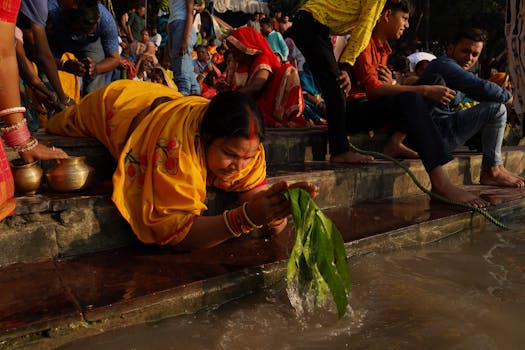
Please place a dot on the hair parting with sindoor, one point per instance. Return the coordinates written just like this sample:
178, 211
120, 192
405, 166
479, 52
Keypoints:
232, 114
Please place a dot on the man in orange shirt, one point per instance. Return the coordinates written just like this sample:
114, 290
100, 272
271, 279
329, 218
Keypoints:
376, 101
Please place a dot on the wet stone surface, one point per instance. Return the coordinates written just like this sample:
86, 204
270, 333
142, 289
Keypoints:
33, 296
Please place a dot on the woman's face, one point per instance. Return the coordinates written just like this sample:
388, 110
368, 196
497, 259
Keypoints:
226, 157
239, 56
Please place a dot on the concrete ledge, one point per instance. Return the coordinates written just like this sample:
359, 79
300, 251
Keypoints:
50, 225
221, 289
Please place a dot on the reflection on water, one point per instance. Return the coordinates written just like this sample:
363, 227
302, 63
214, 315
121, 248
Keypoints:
466, 292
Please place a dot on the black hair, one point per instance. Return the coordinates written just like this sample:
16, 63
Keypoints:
232, 114
419, 64
82, 20
265, 20
474, 34
401, 5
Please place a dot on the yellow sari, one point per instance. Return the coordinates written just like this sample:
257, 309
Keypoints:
161, 176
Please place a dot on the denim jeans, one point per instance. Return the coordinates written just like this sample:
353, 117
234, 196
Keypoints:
457, 127
182, 66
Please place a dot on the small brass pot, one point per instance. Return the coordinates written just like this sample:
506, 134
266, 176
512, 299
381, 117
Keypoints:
70, 174
27, 176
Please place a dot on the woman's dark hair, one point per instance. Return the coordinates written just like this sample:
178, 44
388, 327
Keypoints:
232, 114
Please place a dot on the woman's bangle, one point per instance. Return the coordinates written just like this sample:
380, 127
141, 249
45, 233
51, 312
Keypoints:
62, 64
245, 212
237, 221
17, 137
9, 128
27, 146
12, 110
67, 101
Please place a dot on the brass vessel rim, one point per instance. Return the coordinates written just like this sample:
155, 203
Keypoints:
14, 163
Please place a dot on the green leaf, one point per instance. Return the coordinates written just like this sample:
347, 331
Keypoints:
318, 258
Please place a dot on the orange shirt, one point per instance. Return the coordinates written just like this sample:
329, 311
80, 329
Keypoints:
364, 74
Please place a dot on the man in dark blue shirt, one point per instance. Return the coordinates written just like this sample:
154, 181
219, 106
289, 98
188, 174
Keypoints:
488, 116
90, 33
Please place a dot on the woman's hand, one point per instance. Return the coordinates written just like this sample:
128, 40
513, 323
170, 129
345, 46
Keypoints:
41, 152
271, 206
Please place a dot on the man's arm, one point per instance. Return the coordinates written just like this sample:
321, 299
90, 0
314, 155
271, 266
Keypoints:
366, 74
46, 60
457, 78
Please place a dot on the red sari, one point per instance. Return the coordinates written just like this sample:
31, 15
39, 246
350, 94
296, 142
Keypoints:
8, 13
281, 101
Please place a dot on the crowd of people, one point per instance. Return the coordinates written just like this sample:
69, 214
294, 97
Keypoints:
327, 66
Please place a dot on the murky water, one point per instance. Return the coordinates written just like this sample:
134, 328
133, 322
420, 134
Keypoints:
465, 292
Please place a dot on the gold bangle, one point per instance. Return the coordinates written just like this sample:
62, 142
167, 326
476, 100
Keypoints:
245, 213
227, 222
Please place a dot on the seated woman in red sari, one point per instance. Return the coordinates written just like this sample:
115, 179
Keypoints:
258, 73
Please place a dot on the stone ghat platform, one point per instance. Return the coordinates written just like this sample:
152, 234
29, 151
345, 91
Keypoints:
71, 268
51, 302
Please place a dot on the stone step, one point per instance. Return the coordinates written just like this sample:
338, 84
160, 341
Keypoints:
53, 225
48, 303
282, 146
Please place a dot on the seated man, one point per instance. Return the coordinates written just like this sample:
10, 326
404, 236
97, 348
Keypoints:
375, 102
90, 33
489, 116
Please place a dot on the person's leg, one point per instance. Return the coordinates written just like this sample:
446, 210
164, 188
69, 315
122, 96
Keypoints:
179, 64
492, 170
409, 113
312, 39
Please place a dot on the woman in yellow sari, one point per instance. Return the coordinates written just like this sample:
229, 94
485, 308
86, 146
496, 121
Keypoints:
171, 150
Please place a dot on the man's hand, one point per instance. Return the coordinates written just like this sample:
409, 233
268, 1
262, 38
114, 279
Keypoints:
74, 67
439, 93
183, 47
344, 82
384, 75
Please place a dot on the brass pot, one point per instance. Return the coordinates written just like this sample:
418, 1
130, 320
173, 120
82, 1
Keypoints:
27, 176
70, 174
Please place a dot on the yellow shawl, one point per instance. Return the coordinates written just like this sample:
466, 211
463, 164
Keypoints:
160, 180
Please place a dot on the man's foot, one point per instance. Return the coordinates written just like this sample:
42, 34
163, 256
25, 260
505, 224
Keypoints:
457, 194
442, 185
351, 157
396, 149
400, 151
499, 176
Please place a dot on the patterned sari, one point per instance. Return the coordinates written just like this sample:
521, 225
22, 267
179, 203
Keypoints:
8, 13
281, 101
161, 177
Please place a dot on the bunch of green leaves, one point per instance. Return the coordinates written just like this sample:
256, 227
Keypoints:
318, 258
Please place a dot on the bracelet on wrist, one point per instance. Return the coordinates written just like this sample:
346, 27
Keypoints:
62, 64
27, 146
237, 221
12, 110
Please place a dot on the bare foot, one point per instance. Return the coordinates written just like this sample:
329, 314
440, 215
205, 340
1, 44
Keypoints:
396, 149
502, 168
457, 194
351, 157
442, 185
499, 176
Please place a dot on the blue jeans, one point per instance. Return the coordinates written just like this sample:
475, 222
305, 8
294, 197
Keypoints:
457, 127
182, 66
